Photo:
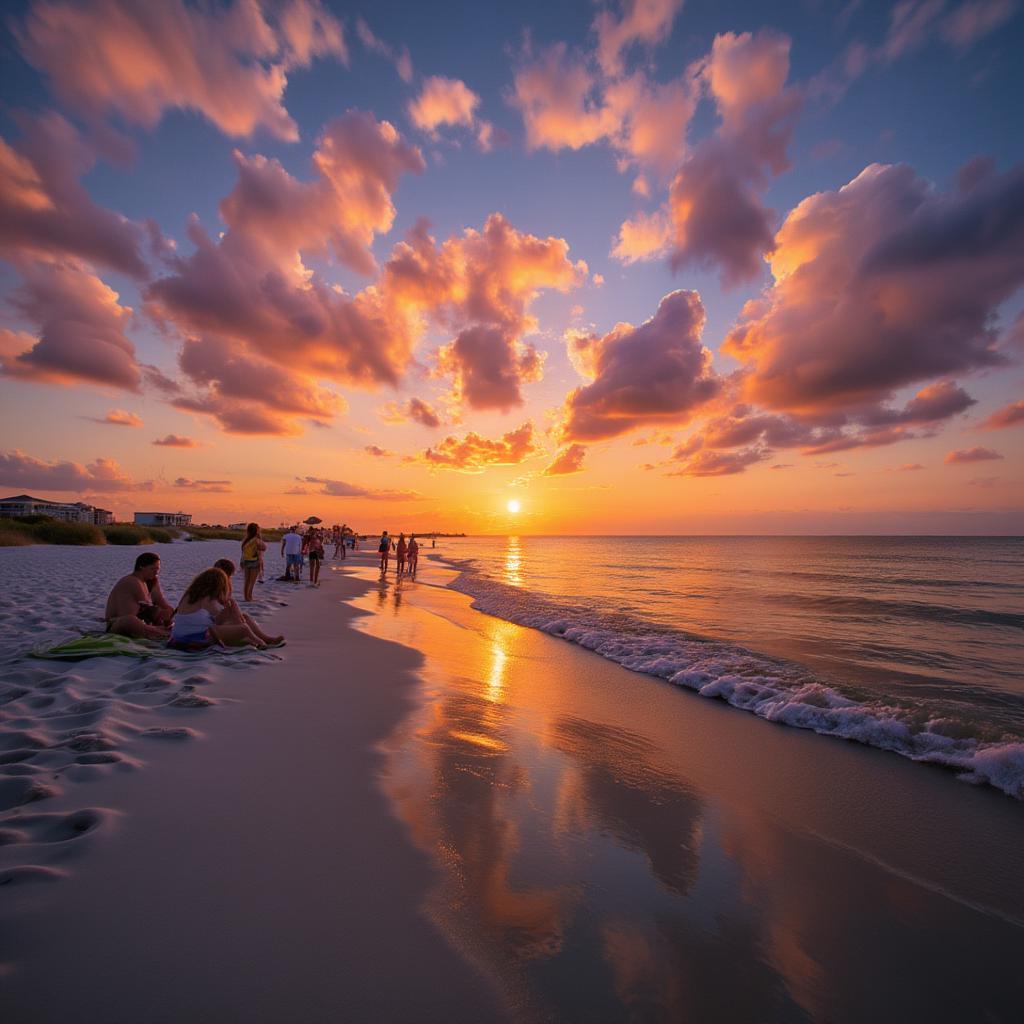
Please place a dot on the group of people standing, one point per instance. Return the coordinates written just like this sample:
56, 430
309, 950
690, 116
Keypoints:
301, 549
407, 553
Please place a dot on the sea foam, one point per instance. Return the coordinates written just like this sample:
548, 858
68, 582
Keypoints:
776, 690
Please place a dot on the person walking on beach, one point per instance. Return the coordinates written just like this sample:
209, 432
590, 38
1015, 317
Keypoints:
400, 551
384, 547
136, 606
195, 624
291, 552
251, 559
414, 554
315, 553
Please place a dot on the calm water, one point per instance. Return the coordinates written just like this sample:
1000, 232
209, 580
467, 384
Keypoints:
913, 644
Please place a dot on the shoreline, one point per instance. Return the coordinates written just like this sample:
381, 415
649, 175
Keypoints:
590, 842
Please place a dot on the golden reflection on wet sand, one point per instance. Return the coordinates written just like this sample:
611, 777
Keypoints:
597, 860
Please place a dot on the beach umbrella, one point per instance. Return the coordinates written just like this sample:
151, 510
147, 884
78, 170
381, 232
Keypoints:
313, 521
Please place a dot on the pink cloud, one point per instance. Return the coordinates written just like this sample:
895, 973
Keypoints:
341, 489
975, 19
473, 453
373, 43
964, 455
119, 418
175, 441
101, 475
443, 102
414, 409
569, 460
655, 373
489, 367
378, 452
879, 285
643, 237
228, 63
710, 463
1008, 416
642, 21
910, 23
45, 211
81, 329
715, 202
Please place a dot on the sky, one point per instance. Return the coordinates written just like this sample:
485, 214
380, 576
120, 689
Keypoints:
654, 266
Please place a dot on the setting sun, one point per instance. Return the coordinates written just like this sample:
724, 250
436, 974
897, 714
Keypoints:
513, 506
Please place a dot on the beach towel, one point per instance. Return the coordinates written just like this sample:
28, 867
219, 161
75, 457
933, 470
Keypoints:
99, 645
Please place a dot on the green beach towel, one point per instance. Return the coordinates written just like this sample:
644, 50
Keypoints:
99, 645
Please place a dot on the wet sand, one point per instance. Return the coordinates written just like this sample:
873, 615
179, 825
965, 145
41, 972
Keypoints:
424, 813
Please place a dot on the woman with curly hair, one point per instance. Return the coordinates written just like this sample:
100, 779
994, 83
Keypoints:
195, 625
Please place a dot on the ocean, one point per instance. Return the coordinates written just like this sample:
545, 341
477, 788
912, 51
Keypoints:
909, 644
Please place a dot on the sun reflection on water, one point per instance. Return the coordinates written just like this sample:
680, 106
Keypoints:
513, 562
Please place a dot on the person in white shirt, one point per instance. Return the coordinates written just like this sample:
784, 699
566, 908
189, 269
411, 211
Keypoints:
291, 551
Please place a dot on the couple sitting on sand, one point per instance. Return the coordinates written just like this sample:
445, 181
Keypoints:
205, 616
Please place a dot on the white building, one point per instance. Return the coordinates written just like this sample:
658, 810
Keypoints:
68, 512
163, 518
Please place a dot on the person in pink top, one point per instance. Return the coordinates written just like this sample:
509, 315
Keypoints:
400, 552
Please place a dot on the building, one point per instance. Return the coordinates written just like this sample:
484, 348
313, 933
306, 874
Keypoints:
68, 512
163, 518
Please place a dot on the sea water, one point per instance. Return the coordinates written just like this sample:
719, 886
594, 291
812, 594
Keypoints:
910, 644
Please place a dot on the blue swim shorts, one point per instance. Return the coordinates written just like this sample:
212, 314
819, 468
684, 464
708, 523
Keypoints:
293, 559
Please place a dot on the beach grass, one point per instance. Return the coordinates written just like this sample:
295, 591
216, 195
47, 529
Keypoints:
27, 530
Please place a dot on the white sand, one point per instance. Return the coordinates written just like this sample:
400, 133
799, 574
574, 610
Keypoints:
561, 839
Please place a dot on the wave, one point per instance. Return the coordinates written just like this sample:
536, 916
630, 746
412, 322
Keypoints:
773, 689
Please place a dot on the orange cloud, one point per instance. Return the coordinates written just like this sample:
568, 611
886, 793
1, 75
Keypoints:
644, 237
204, 486
967, 455
373, 43
570, 460
643, 21
228, 63
1008, 416
120, 418
341, 489
473, 453
414, 409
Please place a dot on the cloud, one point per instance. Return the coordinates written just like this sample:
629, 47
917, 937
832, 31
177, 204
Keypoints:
473, 453
81, 329
373, 43
1008, 416
377, 451
710, 463
715, 205
443, 102
879, 285
910, 23
136, 61
175, 441
45, 211
489, 367
101, 475
643, 21
118, 418
910, 467
204, 486
569, 460
975, 19
643, 237
977, 454
414, 409
652, 374
341, 489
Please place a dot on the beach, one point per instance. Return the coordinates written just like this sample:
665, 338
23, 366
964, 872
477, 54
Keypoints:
417, 811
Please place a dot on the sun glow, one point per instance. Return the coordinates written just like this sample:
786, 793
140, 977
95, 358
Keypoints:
514, 506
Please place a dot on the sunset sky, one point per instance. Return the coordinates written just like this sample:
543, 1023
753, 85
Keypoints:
645, 267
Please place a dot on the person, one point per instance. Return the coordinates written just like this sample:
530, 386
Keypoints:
340, 546
339, 541
414, 554
384, 547
400, 550
195, 624
251, 559
315, 552
233, 615
136, 605
291, 551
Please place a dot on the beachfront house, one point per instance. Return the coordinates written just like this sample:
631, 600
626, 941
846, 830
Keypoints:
66, 511
163, 518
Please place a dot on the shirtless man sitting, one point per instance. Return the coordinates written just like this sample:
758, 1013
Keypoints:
136, 606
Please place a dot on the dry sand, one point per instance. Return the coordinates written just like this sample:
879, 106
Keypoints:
437, 815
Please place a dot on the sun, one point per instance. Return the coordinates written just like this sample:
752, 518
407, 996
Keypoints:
513, 506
